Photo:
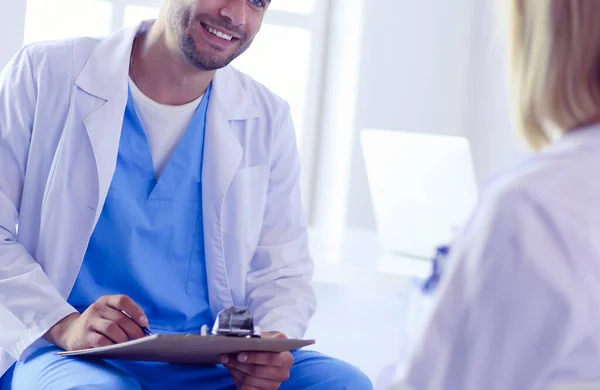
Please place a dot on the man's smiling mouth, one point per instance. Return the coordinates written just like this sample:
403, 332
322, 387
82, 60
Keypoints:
218, 33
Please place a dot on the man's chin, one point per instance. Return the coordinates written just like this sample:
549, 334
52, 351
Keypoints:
208, 64
206, 58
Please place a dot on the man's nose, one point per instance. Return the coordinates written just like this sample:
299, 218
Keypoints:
235, 11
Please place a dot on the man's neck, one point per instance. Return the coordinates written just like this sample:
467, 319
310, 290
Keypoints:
160, 72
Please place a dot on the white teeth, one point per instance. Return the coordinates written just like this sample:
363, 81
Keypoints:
218, 33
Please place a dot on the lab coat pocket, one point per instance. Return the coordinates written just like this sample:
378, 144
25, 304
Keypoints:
244, 206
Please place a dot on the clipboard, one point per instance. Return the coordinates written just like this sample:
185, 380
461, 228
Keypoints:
233, 332
188, 348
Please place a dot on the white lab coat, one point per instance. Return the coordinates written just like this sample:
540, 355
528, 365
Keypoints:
520, 307
61, 110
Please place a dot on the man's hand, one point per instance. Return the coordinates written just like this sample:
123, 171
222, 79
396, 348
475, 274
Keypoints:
259, 370
102, 324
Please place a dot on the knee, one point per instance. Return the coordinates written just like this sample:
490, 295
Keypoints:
112, 382
108, 382
315, 371
49, 372
348, 377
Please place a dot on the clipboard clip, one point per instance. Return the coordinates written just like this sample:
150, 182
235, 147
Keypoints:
235, 321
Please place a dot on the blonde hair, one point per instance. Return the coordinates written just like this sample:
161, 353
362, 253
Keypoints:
555, 66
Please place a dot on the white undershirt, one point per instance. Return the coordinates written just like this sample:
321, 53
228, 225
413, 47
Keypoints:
164, 125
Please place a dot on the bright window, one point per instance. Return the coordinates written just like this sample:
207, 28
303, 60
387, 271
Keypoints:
58, 19
135, 13
279, 58
296, 6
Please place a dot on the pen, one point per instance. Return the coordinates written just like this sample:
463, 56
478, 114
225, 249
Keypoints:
144, 329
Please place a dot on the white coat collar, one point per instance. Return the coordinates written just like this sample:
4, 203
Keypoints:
106, 73
576, 140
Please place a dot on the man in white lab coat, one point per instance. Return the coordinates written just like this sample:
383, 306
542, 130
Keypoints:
152, 186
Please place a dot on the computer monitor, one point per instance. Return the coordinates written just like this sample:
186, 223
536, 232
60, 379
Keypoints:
423, 188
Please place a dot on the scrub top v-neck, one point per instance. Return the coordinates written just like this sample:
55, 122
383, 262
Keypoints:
149, 240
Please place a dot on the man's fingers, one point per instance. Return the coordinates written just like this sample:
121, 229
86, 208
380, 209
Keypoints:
238, 384
126, 304
279, 374
96, 340
131, 329
271, 359
237, 375
109, 329
274, 335
249, 382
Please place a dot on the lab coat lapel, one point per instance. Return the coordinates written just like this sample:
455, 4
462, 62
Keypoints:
105, 80
223, 152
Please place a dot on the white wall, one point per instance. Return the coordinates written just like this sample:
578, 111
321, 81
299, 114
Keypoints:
12, 22
496, 144
444, 73
415, 68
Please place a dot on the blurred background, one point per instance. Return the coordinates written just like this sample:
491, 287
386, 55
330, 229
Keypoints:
401, 110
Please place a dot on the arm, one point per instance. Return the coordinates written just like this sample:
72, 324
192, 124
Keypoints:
503, 315
29, 303
32, 311
279, 281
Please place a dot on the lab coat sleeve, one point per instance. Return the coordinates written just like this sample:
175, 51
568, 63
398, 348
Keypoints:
279, 289
505, 308
29, 303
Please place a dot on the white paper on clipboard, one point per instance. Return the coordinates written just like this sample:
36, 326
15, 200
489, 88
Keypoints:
188, 349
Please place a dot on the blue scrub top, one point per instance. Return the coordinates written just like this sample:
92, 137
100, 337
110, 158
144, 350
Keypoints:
149, 241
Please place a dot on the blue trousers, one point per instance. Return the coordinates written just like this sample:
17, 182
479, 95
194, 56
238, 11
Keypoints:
45, 370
